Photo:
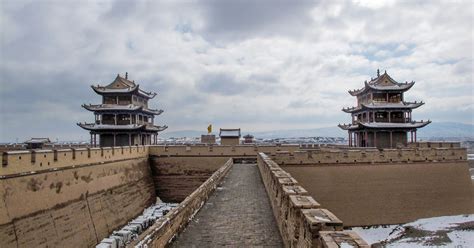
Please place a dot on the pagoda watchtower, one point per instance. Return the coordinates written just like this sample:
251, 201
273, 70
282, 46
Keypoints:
382, 118
123, 118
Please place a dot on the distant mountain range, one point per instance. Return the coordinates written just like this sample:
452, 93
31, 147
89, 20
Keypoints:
433, 130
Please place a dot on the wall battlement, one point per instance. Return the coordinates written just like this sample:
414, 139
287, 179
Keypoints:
26, 161
357, 156
16, 163
300, 218
218, 150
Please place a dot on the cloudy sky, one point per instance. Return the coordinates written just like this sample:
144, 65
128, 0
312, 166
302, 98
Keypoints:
258, 65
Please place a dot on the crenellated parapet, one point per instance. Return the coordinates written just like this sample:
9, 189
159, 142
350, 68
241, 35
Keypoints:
218, 150
25, 162
302, 221
371, 156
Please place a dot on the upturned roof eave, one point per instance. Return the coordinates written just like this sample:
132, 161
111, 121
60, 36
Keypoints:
95, 127
363, 125
101, 90
396, 125
98, 108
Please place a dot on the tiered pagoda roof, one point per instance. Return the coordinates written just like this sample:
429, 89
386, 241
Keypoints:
123, 117
122, 85
383, 83
382, 118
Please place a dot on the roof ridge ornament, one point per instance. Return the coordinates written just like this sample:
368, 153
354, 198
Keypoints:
378, 73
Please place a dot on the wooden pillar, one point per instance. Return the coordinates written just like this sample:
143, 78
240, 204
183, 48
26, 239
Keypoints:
411, 136
92, 143
130, 119
415, 136
366, 139
129, 139
375, 138
391, 145
389, 116
95, 140
349, 140
115, 119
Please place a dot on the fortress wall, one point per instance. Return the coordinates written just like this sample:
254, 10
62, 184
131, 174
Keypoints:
177, 177
435, 144
300, 218
179, 170
20, 162
160, 234
388, 193
72, 206
370, 155
218, 150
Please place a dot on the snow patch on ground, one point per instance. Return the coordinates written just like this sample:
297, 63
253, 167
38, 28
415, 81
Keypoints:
446, 231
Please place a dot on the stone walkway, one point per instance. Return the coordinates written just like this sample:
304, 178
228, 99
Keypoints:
237, 214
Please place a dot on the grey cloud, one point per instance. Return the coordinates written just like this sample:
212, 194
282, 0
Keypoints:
265, 78
230, 20
221, 83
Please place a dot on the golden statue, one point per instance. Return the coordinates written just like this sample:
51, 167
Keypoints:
209, 129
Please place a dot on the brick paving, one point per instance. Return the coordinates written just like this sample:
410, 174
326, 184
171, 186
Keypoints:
237, 214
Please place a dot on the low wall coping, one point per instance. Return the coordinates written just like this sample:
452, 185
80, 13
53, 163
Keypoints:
322, 219
287, 181
280, 173
303, 201
17, 152
336, 239
294, 190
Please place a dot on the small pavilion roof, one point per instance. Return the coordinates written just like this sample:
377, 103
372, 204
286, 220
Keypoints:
37, 141
122, 85
382, 83
384, 125
229, 133
115, 107
131, 127
390, 106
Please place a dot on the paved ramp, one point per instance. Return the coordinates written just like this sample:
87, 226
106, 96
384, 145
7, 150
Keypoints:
238, 214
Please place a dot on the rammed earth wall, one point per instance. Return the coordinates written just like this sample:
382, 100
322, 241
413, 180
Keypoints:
76, 197
71, 202
392, 186
302, 220
179, 170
